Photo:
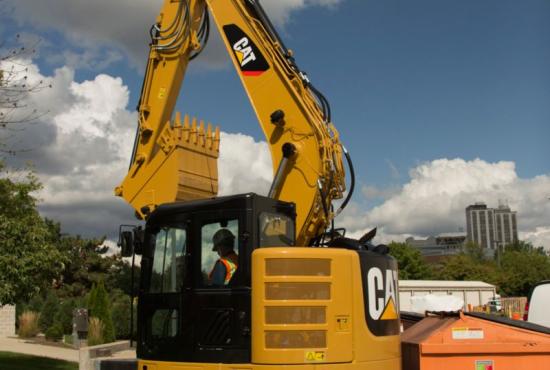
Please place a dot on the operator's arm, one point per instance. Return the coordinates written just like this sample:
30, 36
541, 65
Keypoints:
217, 276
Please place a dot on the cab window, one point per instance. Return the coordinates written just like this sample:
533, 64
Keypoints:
276, 230
168, 265
219, 252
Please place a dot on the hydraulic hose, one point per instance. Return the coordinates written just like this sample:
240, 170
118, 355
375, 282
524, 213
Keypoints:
352, 186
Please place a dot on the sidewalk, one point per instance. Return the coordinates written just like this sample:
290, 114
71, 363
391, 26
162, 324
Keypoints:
22, 346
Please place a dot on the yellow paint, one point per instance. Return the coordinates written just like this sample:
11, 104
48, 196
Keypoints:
162, 93
319, 155
315, 356
390, 313
175, 161
240, 56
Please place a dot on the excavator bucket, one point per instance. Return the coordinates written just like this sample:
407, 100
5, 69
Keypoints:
184, 167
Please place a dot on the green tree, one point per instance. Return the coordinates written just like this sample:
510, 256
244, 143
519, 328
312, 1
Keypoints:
87, 264
410, 262
64, 316
522, 266
48, 312
29, 262
121, 314
465, 267
474, 252
470, 264
100, 307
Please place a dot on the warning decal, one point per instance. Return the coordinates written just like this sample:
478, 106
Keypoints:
467, 333
484, 365
315, 356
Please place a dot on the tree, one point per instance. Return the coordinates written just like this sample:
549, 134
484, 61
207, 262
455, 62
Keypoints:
522, 266
100, 308
86, 264
29, 262
465, 267
48, 312
410, 262
15, 88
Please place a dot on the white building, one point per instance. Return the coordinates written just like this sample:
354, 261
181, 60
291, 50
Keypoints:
7, 321
474, 293
489, 227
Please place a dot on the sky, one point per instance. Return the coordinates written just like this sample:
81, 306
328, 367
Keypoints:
441, 104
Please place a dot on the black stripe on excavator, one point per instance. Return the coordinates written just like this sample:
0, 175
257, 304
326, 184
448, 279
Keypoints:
248, 56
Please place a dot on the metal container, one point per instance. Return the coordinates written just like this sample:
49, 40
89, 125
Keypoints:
475, 341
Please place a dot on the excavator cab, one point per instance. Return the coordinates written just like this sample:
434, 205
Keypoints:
183, 315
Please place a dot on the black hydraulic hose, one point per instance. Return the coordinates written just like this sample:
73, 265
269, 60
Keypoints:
352, 176
261, 15
204, 34
325, 106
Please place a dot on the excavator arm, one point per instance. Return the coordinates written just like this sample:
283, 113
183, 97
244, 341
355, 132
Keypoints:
305, 147
172, 160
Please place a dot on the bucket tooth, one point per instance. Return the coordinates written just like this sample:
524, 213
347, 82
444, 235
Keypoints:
193, 133
186, 128
201, 134
177, 120
208, 142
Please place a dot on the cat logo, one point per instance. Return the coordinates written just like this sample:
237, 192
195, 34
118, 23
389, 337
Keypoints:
244, 51
379, 280
247, 55
382, 288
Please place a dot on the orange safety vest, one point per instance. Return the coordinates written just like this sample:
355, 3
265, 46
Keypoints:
231, 266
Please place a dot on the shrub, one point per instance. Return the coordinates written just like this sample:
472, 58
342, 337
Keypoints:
48, 312
55, 332
121, 315
95, 332
65, 315
28, 324
100, 308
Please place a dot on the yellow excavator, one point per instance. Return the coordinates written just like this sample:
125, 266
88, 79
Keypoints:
296, 293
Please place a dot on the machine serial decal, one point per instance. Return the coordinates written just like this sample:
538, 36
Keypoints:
249, 57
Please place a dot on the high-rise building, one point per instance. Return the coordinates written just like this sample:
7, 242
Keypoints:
506, 225
490, 227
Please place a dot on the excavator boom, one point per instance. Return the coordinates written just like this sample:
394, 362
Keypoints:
295, 118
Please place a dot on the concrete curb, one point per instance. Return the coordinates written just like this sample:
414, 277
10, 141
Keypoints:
89, 357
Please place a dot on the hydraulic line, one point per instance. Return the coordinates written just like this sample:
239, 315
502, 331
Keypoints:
352, 186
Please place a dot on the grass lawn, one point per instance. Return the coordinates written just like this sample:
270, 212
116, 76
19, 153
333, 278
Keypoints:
16, 361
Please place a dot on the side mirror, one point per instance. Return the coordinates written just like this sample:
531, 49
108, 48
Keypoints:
126, 243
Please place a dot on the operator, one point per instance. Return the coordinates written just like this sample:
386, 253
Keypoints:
226, 266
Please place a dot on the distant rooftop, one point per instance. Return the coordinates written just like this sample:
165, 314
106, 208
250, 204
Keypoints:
443, 284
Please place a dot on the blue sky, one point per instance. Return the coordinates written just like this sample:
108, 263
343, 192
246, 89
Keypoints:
409, 82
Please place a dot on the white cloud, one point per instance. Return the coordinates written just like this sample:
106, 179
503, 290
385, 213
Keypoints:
124, 25
373, 192
81, 150
280, 10
244, 165
435, 198
539, 237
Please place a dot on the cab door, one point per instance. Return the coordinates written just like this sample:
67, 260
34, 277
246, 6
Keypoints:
164, 298
222, 309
